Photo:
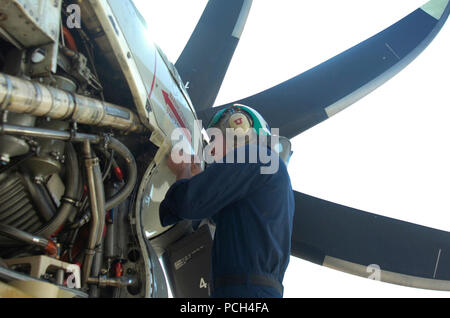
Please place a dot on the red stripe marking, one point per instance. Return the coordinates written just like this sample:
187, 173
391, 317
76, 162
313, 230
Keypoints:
175, 112
154, 79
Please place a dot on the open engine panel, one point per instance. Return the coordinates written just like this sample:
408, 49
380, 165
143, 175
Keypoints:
67, 181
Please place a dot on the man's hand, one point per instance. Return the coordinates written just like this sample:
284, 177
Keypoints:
185, 167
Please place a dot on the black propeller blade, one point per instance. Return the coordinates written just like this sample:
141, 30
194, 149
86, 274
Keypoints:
326, 233
359, 242
312, 97
205, 59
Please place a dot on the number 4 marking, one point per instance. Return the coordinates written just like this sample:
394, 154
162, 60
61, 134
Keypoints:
203, 284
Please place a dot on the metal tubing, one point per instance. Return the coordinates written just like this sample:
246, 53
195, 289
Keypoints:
94, 222
97, 261
109, 244
97, 204
47, 133
114, 144
118, 282
28, 97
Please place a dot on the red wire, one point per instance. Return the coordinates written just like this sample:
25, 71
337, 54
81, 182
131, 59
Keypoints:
70, 41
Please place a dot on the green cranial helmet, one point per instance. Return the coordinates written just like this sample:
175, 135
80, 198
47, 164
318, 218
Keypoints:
244, 117
240, 116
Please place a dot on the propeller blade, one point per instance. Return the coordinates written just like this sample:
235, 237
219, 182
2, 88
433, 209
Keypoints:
366, 244
317, 94
205, 59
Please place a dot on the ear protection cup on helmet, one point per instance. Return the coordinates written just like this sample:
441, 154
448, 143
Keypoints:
239, 120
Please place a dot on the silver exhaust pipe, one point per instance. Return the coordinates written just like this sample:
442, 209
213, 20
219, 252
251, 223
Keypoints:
27, 97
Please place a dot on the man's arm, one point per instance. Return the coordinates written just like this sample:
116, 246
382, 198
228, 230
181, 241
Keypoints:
207, 193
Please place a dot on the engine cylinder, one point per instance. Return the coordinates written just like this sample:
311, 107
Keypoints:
16, 207
13, 146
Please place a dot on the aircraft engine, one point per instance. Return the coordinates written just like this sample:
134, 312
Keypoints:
67, 159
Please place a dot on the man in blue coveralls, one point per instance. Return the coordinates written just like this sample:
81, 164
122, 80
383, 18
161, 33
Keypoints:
253, 211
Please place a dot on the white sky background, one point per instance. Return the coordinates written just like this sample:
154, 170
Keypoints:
387, 154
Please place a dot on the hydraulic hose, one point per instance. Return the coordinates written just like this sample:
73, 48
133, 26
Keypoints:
40, 198
118, 148
73, 182
131, 169
18, 235
71, 194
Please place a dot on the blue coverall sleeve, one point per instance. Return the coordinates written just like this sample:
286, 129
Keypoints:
208, 192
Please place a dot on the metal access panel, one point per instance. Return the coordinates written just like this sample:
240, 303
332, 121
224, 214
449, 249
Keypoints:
189, 264
32, 23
